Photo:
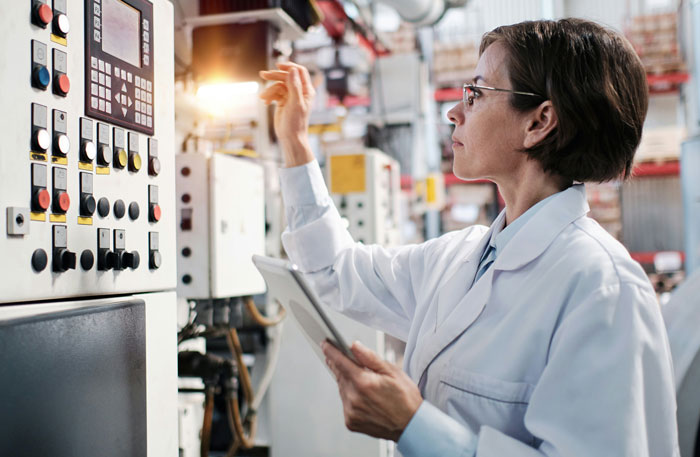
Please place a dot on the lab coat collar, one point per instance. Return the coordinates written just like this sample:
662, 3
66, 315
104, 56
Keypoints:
458, 305
538, 233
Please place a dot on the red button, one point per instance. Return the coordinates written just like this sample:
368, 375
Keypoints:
45, 14
63, 84
43, 199
63, 201
155, 213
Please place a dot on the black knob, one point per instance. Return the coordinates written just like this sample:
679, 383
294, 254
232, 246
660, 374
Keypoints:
132, 260
64, 260
155, 261
39, 260
106, 260
119, 209
121, 260
87, 205
103, 207
87, 259
134, 211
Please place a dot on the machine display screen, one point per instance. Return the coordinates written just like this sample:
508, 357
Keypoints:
120, 31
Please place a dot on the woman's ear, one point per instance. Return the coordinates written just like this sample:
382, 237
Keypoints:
540, 123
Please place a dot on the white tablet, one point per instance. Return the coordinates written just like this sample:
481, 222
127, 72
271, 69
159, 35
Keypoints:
286, 285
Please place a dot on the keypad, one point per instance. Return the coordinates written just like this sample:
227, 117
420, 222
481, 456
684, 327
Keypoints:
106, 98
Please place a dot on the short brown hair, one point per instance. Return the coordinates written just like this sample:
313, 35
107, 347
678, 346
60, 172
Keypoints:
598, 88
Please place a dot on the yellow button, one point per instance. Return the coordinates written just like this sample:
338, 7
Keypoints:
135, 162
122, 158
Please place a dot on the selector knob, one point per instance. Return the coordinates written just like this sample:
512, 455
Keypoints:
42, 14
154, 166
64, 260
61, 144
131, 260
62, 85
41, 140
106, 260
87, 205
41, 200
61, 202
41, 77
61, 25
104, 155
88, 151
154, 213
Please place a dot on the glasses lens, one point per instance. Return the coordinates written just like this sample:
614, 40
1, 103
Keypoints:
468, 95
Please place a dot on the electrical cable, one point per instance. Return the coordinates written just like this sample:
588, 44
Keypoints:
233, 408
207, 423
273, 356
259, 318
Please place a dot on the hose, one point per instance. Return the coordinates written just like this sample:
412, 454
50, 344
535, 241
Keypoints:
259, 318
206, 425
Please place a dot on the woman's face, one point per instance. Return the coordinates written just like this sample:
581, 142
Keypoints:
488, 134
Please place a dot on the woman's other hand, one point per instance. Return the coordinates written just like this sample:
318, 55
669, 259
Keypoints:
378, 398
293, 93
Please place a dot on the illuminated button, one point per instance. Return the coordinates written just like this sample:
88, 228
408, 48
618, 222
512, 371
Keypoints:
154, 166
41, 200
154, 213
61, 25
62, 85
121, 158
42, 140
62, 144
88, 151
61, 202
41, 78
134, 162
43, 15
104, 155
103, 207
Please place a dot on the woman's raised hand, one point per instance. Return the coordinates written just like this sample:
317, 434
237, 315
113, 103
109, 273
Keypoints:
293, 93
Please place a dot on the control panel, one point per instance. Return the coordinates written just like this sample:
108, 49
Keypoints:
87, 196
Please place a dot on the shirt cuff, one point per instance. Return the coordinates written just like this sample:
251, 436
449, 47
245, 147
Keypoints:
303, 185
433, 433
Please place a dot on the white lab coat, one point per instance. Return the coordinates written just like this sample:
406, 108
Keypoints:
559, 349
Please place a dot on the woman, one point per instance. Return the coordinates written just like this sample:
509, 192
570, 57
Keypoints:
538, 336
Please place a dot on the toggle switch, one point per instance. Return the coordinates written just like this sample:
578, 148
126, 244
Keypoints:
106, 259
155, 259
63, 259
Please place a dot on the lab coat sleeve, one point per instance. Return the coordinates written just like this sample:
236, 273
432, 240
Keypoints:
371, 284
607, 388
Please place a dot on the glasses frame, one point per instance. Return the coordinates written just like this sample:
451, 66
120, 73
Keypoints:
469, 101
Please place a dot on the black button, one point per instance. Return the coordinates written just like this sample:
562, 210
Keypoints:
39, 260
132, 260
103, 207
186, 252
134, 211
87, 205
119, 209
87, 259
186, 279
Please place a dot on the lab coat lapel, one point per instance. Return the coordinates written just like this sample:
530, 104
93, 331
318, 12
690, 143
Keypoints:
458, 306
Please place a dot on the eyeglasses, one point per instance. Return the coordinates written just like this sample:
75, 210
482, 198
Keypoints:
471, 91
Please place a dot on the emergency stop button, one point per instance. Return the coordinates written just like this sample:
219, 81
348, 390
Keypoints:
42, 14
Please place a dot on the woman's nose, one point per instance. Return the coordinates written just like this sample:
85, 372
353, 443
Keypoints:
456, 114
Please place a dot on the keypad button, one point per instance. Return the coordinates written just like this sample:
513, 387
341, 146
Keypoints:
102, 92
94, 102
102, 78
101, 65
138, 118
149, 98
108, 68
129, 77
94, 89
146, 59
150, 121
93, 62
149, 110
149, 86
97, 36
123, 75
116, 72
143, 84
94, 76
137, 93
137, 80
138, 105
109, 108
108, 81
108, 94
102, 105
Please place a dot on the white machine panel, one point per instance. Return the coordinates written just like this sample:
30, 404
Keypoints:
221, 208
366, 188
67, 175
